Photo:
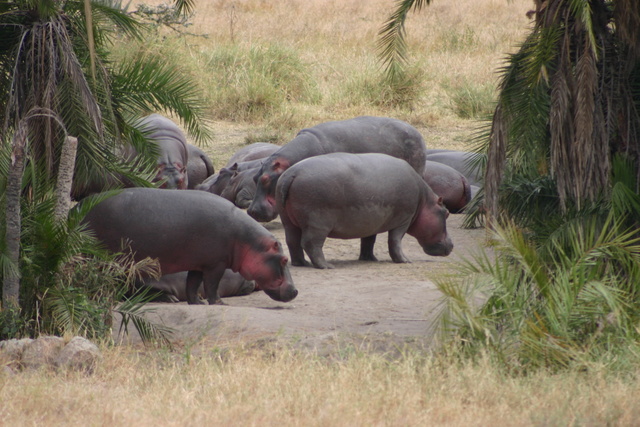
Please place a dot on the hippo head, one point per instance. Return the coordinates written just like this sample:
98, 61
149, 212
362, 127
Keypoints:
174, 176
265, 263
263, 205
241, 189
429, 227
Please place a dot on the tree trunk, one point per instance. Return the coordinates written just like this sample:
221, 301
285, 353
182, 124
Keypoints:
65, 178
11, 285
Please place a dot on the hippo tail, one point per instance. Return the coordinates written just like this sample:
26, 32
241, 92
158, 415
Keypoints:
282, 190
207, 162
467, 192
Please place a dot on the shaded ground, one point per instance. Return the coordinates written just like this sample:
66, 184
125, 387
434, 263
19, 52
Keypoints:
382, 303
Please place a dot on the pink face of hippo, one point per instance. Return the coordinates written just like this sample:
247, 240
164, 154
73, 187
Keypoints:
430, 229
174, 176
263, 205
265, 263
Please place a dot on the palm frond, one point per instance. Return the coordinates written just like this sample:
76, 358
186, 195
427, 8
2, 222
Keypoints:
392, 46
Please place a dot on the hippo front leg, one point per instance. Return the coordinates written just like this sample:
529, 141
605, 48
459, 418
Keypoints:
366, 248
212, 278
395, 246
194, 278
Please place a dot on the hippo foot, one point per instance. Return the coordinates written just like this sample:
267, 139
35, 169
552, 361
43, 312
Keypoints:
402, 261
324, 266
303, 263
217, 302
196, 302
368, 258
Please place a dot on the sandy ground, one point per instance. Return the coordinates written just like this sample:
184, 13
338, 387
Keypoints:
377, 302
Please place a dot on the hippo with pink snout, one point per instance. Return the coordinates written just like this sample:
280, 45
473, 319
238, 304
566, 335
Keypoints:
350, 196
194, 231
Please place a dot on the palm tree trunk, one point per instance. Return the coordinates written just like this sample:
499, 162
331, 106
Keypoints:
65, 178
11, 285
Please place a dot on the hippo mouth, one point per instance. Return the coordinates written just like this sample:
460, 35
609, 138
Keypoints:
282, 294
440, 249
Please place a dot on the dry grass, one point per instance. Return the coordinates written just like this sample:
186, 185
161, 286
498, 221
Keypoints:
459, 46
456, 47
276, 386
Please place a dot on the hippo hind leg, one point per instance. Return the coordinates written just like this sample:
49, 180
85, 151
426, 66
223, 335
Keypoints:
293, 237
366, 248
395, 245
194, 279
312, 242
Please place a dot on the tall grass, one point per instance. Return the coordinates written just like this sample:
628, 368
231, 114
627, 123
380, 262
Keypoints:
295, 63
275, 385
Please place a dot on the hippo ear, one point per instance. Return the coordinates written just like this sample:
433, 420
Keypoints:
234, 167
440, 202
278, 166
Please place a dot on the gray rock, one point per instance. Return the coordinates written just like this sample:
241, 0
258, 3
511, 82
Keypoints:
41, 352
79, 354
13, 349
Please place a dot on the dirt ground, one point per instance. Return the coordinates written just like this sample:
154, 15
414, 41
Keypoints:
380, 303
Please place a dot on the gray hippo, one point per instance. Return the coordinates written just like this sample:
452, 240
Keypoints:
194, 231
449, 184
216, 183
359, 135
350, 196
174, 286
199, 166
173, 154
464, 162
257, 150
241, 188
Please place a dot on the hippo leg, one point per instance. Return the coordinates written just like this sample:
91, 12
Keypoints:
395, 245
312, 242
194, 278
293, 237
366, 248
211, 281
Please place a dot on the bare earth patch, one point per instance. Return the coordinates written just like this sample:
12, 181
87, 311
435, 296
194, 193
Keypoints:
356, 302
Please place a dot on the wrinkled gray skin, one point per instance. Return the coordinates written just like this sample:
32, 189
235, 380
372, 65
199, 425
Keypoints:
174, 286
449, 184
199, 167
241, 188
350, 196
257, 150
194, 231
359, 135
173, 155
462, 161
217, 183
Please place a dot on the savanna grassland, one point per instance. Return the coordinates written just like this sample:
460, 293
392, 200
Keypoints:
267, 69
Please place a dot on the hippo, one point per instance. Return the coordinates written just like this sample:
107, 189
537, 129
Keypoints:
257, 150
449, 184
364, 134
462, 161
199, 166
174, 286
241, 188
348, 196
216, 183
194, 231
173, 155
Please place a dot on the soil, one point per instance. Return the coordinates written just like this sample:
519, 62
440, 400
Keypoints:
378, 303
